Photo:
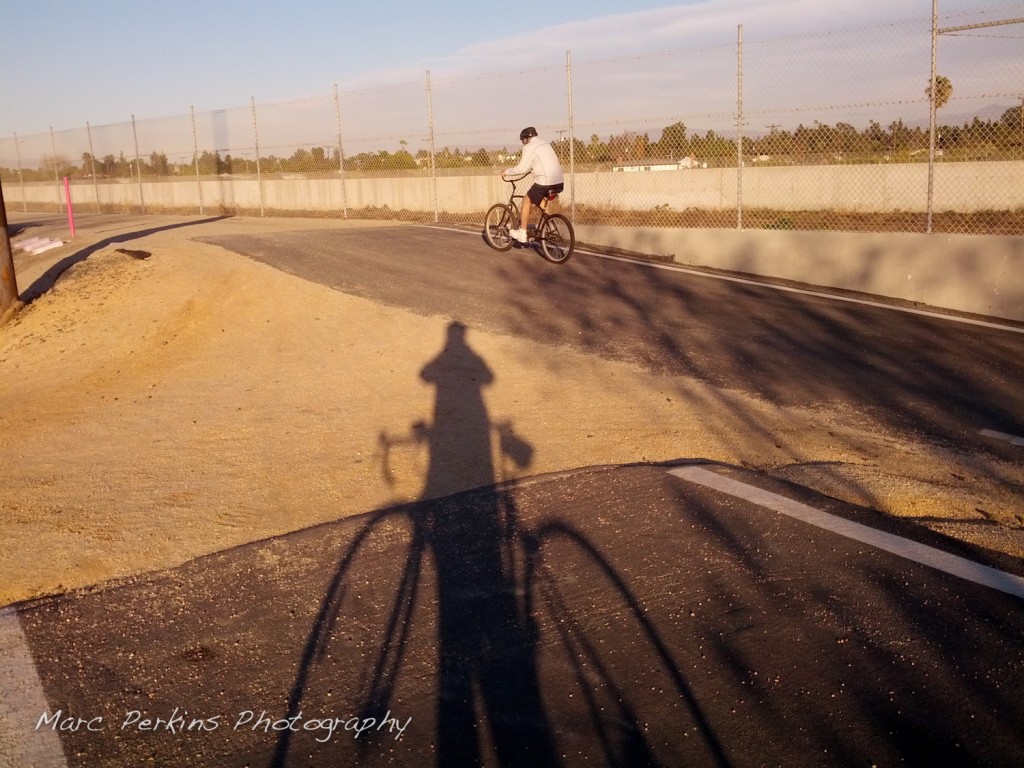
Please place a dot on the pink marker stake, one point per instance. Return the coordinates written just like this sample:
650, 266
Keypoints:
67, 196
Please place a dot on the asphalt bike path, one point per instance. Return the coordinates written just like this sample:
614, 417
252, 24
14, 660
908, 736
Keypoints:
681, 614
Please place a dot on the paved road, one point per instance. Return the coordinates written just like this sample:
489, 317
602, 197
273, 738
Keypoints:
935, 376
652, 615
649, 615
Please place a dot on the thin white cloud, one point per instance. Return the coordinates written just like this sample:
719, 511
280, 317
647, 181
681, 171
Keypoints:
620, 77
804, 61
707, 24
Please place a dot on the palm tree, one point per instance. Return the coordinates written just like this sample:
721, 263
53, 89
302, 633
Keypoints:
943, 91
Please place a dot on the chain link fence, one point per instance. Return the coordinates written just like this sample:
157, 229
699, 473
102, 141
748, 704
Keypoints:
825, 131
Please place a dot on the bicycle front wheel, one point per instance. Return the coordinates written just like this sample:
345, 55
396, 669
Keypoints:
497, 223
557, 239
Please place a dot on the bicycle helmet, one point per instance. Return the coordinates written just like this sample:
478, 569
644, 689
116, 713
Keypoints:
527, 133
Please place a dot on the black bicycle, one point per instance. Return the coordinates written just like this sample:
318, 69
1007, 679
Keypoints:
553, 234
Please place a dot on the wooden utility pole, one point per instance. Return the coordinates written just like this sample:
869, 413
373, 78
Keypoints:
8, 282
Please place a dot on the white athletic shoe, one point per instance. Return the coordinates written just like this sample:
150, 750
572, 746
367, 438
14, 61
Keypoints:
518, 235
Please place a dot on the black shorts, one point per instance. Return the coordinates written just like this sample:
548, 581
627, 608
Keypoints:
539, 191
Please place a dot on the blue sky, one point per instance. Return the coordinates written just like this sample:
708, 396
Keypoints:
65, 62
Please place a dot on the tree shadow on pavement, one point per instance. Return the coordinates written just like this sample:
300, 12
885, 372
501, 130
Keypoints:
861, 378
923, 379
476, 624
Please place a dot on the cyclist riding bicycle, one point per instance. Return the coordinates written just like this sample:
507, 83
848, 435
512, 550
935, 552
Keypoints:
540, 158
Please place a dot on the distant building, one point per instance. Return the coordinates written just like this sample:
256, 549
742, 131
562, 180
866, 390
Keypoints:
679, 165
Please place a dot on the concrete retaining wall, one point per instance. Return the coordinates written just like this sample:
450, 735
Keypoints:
881, 188
982, 275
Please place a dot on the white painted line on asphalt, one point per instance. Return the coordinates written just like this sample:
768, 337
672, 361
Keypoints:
897, 545
819, 294
22, 703
1012, 439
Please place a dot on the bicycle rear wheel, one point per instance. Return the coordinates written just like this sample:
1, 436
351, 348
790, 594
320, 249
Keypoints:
497, 223
557, 239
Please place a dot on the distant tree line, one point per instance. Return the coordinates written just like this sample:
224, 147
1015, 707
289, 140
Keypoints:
842, 142
820, 143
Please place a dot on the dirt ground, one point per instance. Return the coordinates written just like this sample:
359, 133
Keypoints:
156, 409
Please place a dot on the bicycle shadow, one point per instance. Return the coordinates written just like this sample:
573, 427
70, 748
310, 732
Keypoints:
492, 586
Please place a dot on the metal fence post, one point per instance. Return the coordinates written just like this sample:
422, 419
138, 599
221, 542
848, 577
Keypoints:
430, 127
739, 126
195, 155
138, 164
92, 170
56, 175
256, 139
933, 93
572, 142
931, 116
341, 153
21, 176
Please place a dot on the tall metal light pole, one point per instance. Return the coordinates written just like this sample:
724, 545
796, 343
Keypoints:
8, 281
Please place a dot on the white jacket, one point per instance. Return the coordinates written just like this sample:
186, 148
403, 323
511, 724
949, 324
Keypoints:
539, 157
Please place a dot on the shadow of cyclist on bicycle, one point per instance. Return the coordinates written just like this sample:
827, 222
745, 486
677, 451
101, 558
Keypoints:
468, 590
487, 643
488, 694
